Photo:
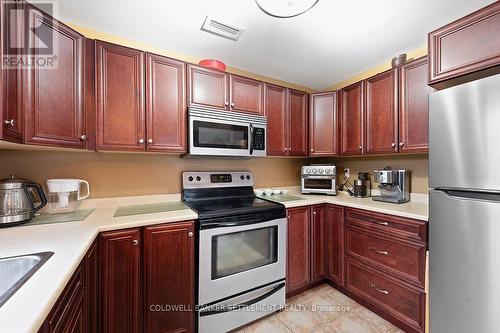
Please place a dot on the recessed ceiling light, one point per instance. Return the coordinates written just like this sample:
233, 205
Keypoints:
285, 8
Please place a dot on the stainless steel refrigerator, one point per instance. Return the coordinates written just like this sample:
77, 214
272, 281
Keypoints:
464, 221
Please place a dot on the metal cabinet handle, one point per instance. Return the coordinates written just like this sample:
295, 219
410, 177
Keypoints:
360, 147
190, 234
379, 223
393, 145
141, 141
83, 137
232, 104
150, 141
401, 144
379, 252
312, 149
374, 286
9, 122
226, 103
314, 213
135, 242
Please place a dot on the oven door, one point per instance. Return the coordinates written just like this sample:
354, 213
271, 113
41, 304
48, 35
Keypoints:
319, 184
236, 258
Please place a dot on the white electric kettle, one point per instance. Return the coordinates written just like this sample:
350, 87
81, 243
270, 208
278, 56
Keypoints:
64, 194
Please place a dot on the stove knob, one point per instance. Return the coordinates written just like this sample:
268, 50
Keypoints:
190, 178
315, 171
320, 171
308, 170
327, 171
248, 177
242, 177
198, 178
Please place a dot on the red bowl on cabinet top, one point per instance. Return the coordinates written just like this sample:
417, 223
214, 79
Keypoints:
213, 64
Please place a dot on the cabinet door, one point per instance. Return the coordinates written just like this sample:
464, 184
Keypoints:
78, 322
120, 97
165, 104
54, 98
11, 115
381, 112
334, 235
318, 268
92, 286
247, 95
297, 111
277, 119
169, 276
299, 251
414, 107
120, 281
466, 49
323, 129
207, 88
352, 119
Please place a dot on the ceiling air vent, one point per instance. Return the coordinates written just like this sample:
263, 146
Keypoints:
222, 29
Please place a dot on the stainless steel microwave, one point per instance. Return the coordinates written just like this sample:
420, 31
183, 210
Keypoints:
222, 133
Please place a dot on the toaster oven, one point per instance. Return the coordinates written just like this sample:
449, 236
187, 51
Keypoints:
320, 179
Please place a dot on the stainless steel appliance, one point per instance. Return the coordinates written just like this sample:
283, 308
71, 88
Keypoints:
17, 200
464, 225
394, 185
319, 178
242, 250
362, 185
222, 133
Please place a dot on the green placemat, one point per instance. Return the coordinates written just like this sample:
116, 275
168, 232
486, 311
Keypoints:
149, 208
280, 197
79, 215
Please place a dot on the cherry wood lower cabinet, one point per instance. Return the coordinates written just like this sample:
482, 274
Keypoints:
169, 277
318, 236
120, 272
334, 243
298, 275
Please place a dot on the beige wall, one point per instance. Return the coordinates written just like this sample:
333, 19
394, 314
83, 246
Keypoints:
115, 174
417, 164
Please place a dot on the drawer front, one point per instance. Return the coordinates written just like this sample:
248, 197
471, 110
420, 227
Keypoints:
394, 225
401, 300
395, 256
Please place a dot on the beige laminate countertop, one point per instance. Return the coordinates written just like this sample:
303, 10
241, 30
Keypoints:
26, 310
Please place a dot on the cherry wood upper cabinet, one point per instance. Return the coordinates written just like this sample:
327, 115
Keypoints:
169, 276
466, 49
352, 119
120, 287
247, 95
120, 97
323, 125
298, 256
207, 88
54, 100
277, 119
165, 104
381, 112
318, 267
11, 113
414, 107
297, 110
334, 240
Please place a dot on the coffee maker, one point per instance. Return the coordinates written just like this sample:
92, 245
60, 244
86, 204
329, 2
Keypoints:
394, 185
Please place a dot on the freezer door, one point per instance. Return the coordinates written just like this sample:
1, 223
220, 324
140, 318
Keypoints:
464, 136
464, 241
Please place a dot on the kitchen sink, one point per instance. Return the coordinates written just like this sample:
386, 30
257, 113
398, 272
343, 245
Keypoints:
15, 271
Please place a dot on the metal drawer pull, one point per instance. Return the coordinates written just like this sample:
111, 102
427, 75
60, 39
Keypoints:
378, 251
9, 122
379, 290
380, 223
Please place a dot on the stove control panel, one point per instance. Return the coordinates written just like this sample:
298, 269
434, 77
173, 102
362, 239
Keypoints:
319, 170
211, 179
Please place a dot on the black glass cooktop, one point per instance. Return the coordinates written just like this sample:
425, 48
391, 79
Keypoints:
232, 206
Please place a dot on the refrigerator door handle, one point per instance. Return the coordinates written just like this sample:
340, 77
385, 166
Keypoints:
473, 195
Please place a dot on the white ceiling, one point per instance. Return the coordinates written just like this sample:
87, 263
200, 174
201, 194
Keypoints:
334, 41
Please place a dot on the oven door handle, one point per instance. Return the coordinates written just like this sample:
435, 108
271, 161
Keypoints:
229, 308
252, 139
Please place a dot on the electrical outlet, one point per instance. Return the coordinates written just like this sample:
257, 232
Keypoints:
346, 173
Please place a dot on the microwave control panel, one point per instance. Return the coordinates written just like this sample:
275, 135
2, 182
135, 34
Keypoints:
259, 138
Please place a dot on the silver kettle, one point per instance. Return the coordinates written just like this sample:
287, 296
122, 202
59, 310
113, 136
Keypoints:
17, 200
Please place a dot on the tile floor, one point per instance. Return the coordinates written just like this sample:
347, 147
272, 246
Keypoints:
322, 310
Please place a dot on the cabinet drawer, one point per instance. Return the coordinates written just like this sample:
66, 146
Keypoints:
401, 300
393, 225
395, 256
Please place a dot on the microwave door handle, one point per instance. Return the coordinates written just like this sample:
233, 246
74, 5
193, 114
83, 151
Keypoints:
251, 139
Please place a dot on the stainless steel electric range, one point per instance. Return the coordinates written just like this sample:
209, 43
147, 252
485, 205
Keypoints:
241, 253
